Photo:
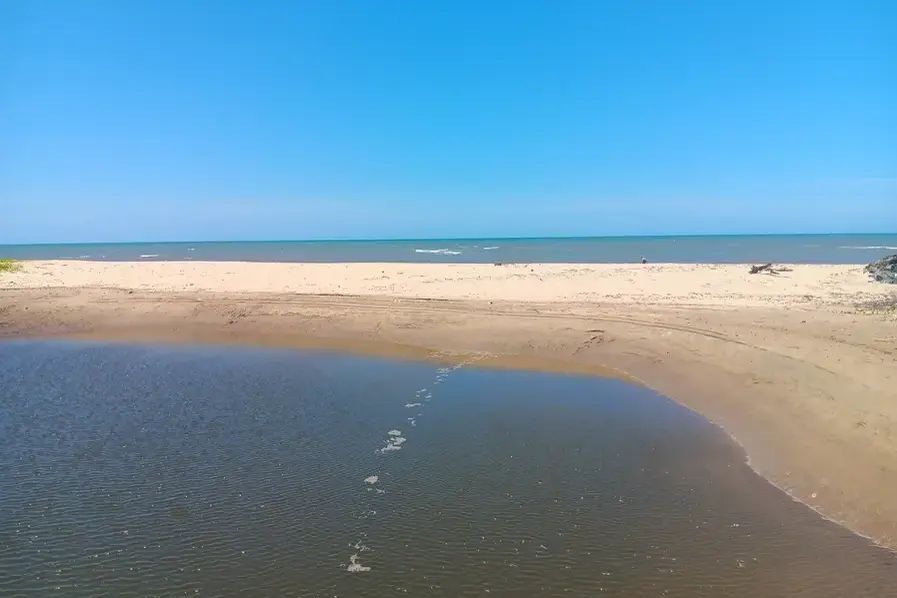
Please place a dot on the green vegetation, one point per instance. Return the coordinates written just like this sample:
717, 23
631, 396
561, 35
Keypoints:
8, 265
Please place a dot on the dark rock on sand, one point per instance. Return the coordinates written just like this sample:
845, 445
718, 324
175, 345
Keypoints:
884, 270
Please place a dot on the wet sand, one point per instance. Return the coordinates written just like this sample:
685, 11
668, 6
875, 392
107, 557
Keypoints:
788, 365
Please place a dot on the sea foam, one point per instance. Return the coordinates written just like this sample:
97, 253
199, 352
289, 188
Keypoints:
438, 251
869, 247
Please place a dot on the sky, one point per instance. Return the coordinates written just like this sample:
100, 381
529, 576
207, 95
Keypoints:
232, 120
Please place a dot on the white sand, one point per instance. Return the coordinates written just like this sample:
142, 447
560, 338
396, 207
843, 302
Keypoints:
705, 284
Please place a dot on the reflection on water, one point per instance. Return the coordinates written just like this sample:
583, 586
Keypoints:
183, 472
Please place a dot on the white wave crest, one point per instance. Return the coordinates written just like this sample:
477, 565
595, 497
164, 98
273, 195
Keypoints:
438, 251
146, 255
868, 247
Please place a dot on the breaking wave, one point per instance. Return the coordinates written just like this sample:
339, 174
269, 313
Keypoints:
869, 247
438, 251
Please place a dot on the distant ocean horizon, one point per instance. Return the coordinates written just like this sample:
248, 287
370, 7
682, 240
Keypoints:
798, 248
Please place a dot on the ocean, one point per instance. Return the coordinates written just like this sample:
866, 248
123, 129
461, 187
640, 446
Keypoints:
133, 471
810, 249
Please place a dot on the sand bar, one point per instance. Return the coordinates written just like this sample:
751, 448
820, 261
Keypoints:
801, 368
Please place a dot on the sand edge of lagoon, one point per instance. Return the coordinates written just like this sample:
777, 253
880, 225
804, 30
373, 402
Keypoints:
800, 368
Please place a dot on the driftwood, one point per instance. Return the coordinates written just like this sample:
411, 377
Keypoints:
769, 269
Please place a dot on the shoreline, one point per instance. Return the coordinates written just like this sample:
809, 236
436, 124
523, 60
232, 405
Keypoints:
809, 382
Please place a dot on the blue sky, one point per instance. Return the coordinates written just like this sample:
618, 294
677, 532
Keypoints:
205, 120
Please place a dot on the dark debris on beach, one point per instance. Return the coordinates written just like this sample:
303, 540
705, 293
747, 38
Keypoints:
884, 270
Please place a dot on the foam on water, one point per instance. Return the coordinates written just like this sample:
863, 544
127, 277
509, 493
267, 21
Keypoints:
393, 444
869, 247
148, 255
355, 565
438, 251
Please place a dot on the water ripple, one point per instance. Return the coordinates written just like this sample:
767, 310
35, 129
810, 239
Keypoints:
173, 472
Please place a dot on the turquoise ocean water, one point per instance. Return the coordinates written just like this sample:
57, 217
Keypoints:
810, 249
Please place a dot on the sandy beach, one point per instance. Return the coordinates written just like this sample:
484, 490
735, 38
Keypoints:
799, 367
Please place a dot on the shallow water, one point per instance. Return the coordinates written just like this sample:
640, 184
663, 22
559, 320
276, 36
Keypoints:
130, 471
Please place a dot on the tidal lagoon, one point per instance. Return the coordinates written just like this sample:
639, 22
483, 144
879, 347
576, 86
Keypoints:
174, 471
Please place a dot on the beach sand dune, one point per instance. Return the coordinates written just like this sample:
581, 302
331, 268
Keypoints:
801, 368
